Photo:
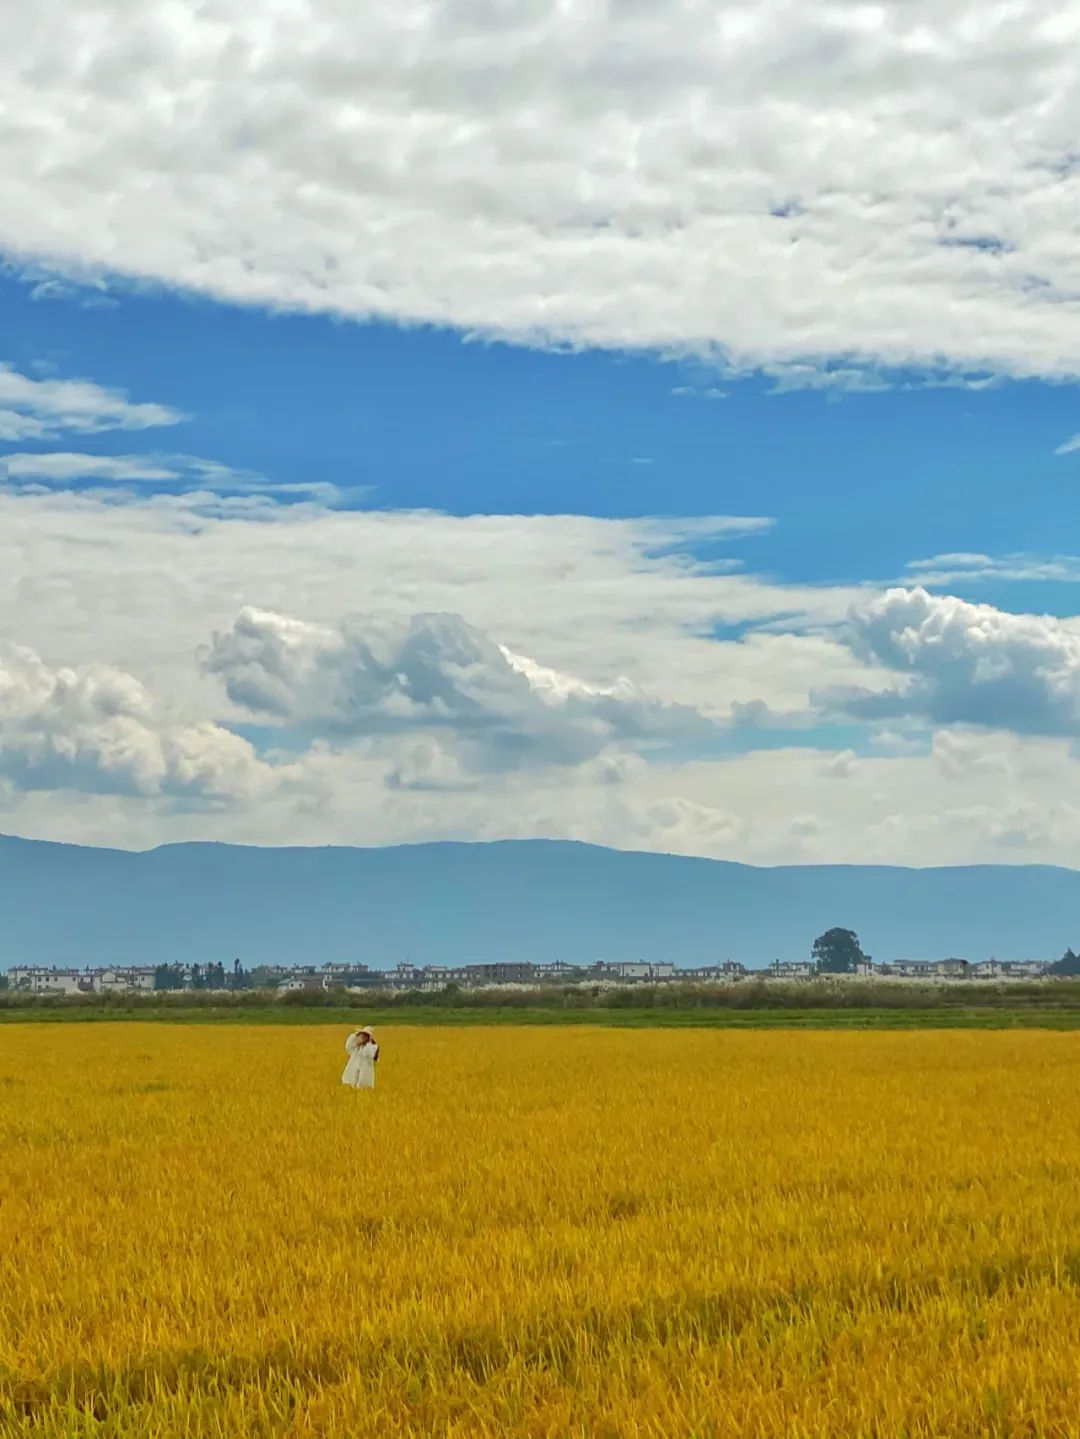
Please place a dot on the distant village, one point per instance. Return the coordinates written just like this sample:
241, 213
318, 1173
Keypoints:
148, 978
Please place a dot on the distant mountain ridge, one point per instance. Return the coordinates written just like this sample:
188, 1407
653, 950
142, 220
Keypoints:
451, 903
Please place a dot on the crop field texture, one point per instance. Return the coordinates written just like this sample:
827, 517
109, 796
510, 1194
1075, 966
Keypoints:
557, 1232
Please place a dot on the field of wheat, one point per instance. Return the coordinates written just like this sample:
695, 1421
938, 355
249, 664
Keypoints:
542, 1232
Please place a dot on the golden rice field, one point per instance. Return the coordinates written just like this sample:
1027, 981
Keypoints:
541, 1232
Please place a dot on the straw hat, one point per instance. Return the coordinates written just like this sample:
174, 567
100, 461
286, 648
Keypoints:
366, 1029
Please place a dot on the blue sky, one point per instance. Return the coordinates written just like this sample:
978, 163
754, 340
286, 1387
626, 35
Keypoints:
860, 484
433, 436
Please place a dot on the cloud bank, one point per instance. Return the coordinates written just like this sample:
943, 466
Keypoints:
292, 674
822, 189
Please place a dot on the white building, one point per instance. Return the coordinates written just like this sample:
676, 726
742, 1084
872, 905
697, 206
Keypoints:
790, 969
435, 977
987, 969
911, 969
122, 977
64, 982
729, 969
304, 984
631, 969
46, 979
23, 976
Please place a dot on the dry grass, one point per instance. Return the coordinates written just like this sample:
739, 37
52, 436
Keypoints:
538, 1232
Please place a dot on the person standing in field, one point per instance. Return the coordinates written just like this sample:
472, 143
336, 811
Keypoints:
363, 1053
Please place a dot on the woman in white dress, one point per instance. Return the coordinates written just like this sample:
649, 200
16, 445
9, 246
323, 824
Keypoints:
363, 1057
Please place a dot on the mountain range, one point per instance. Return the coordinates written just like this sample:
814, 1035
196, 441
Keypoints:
538, 900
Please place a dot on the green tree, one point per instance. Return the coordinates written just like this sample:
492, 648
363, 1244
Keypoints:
1068, 964
837, 951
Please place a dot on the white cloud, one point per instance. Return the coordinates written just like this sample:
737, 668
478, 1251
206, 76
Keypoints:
95, 728
809, 375
370, 676
1018, 801
964, 568
842, 764
180, 472
975, 797
867, 379
401, 728
1069, 447
665, 823
61, 467
595, 598
43, 408
699, 392
87, 295
967, 664
426, 727
425, 764
959, 753
962, 561
881, 185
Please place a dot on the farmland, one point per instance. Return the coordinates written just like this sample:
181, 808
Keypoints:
538, 1231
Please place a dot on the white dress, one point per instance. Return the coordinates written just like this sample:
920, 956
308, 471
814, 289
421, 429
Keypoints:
360, 1069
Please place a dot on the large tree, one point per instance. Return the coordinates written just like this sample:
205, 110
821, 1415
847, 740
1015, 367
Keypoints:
1068, 964
837, 951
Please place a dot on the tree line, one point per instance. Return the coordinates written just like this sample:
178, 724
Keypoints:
173, 977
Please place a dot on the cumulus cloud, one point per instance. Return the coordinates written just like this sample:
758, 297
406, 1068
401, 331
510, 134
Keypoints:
767, 183
967, 664
841, 765
959, 753
667, 822
95, 728
41, 409
426, 765
370, 676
